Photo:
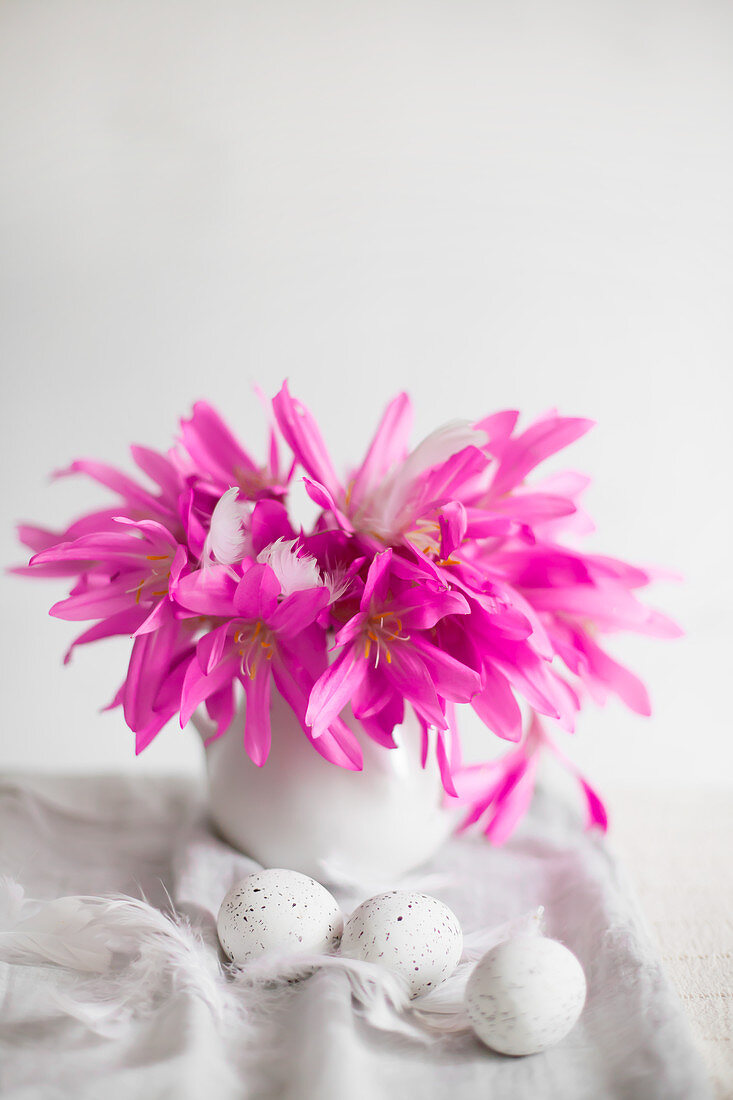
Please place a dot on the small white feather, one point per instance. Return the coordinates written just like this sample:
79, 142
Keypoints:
226, 541
295, 570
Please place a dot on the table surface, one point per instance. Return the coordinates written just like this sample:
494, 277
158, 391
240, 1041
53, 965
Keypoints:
62, 836
676, 848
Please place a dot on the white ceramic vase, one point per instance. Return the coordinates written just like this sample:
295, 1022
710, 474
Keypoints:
301, 812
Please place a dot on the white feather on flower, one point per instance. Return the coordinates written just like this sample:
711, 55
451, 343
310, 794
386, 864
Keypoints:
297, 570
337, 582
393, 497
227, 539
294, 569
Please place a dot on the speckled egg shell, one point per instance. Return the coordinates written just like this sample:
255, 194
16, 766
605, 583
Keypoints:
413, 935
525, 995
277, 911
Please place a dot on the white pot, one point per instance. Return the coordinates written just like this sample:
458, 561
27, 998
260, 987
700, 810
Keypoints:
301, 812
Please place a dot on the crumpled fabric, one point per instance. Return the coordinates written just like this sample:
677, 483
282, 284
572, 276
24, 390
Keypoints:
149, 838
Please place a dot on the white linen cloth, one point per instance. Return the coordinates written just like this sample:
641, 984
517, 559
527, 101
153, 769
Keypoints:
148, 837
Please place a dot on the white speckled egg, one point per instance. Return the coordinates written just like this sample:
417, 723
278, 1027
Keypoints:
413, 935
525, 995
280, 911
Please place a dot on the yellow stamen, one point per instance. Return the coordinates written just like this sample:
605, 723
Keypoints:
398, 632
368, 647
156, 557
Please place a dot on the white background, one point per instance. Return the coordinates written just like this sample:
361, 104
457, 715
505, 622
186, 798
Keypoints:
489, 204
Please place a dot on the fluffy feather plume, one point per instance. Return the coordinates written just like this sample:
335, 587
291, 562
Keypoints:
129, 942
295, 570
226, 540
131, 958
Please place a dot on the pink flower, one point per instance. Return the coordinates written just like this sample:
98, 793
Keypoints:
269, 634
499, 793
387, 657
395, 496
124, 582
215, 456
433, 576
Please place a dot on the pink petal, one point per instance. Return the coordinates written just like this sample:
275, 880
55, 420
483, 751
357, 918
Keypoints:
379, 729
159, 468
119, 483
542, 439
98, 603
298, 610
257, 592
513, 804
37, 538
268, 523
444, 765
377, 582
320, 495
498, 427
626, 685
161, 614
410, 677
337, 744
220, 709
425, 608
452, 680
301, 433
206, 592
388, 447
528, 675
496, 706
453, 522
211, 646
534, 507
257, 716
371, 695
124, 622
212, 446
149, 662
449, 480
596, 811
333, 690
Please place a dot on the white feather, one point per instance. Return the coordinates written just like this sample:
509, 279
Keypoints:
131, 959
294, 569
389, 506
227, 539
127, 940
60, 932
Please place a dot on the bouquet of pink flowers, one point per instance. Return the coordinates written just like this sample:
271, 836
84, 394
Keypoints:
431, 577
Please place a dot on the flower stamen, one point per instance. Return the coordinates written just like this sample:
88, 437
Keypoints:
381, 630
255, 644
